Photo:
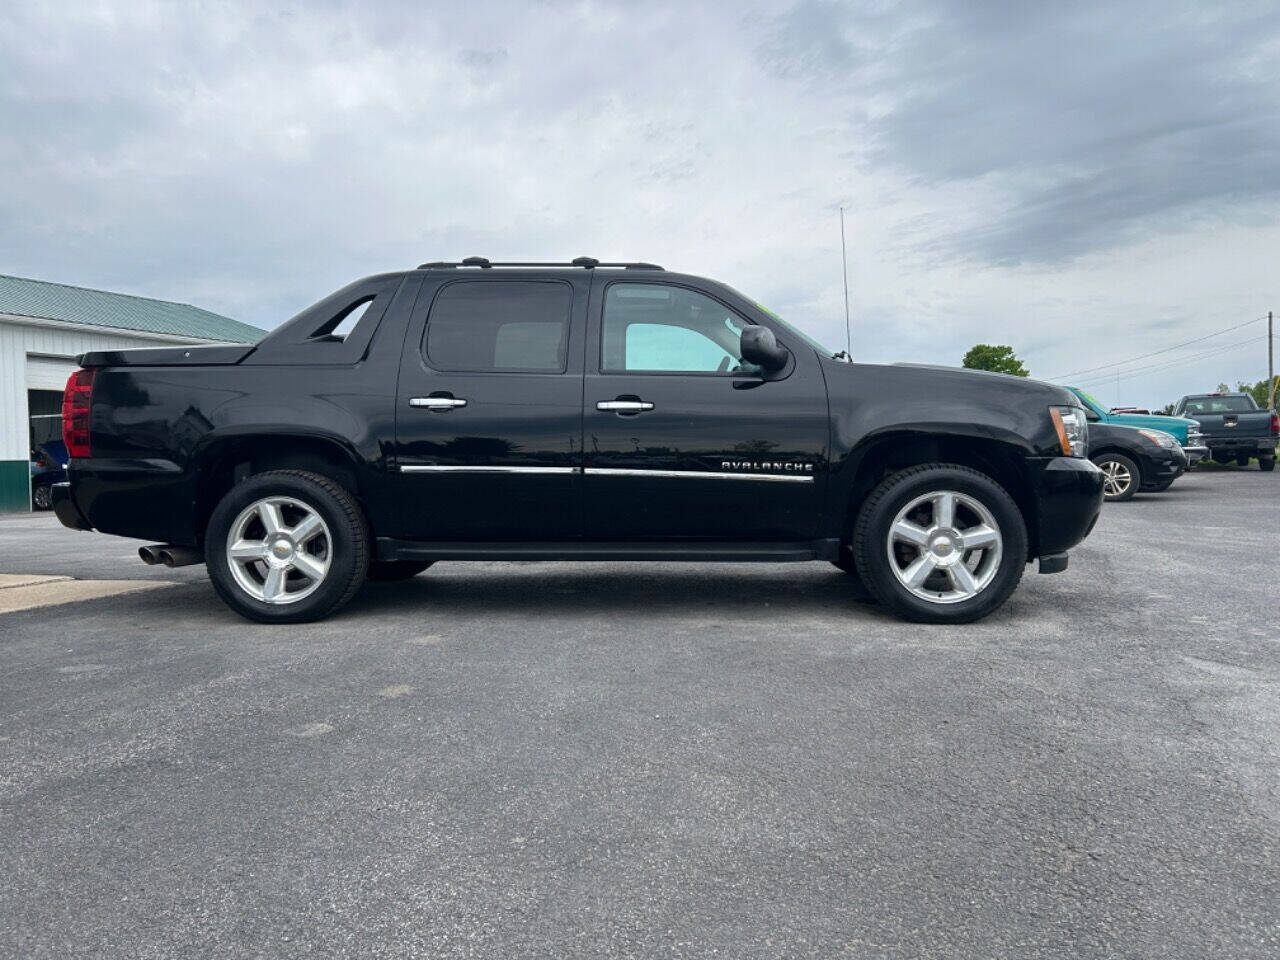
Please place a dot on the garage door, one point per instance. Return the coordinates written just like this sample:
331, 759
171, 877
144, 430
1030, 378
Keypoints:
48, 373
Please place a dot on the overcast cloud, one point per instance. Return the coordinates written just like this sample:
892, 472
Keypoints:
1084, 181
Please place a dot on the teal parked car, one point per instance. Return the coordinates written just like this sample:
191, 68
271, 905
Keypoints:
1183, 429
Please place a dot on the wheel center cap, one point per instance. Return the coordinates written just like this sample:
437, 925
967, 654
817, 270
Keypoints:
282, 549
943, 546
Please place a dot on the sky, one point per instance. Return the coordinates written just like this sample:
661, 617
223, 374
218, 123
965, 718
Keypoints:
1086, 182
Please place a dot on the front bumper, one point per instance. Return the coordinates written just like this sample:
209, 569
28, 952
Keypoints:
1068, 499
1195, 454
1164, 466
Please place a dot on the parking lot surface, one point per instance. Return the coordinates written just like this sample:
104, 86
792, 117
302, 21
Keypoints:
655, 760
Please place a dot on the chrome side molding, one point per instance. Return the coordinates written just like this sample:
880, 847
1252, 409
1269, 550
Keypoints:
438, 468
698, 475
607, 472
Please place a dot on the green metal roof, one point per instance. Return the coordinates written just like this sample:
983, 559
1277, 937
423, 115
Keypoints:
57, 301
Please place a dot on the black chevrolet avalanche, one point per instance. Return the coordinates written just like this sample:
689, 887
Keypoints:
584, 411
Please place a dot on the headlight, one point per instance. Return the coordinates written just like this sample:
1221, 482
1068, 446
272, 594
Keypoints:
1072, 428
1160, 438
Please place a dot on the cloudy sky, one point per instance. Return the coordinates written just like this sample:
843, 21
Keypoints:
1088, 182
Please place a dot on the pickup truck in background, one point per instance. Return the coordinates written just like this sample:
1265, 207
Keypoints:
1182, 428
1234, 427
583, 411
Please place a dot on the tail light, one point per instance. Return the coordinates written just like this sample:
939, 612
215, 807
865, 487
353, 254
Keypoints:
77, 401
1275, 422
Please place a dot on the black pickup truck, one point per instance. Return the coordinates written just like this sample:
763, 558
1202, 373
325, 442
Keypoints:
584, 411
1234, 427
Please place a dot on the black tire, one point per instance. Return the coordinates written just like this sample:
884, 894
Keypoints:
42, 497
857, 589
1126, 466
392, 571
871, 551
349, 536
1242, 460
1266, 464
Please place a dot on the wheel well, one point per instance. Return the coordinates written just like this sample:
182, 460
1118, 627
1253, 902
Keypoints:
231, 461
887, 454
1119, 450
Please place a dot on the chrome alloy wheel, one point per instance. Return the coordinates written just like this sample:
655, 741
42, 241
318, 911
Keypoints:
279, 550
1116, 478
944, 547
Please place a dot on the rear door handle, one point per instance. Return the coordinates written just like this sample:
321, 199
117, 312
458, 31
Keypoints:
624, 406
437, 403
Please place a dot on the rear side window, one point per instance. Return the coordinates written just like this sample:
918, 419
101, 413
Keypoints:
1220, 405
500, 326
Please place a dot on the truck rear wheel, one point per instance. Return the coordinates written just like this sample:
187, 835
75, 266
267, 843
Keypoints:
940, 543
1242, 459
287, 546
1266, 464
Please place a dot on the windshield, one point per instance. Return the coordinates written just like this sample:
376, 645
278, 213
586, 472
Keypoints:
1090, 401
1219, 405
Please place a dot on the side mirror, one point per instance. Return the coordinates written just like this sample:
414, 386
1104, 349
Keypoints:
759, 346
1090, 416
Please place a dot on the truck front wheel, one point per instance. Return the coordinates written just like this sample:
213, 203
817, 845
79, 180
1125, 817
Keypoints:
287, 546
940, 543
1121, 477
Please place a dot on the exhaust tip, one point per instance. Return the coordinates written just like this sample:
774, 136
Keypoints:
149, 555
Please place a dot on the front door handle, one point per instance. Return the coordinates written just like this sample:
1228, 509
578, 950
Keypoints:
624, 406
437, 403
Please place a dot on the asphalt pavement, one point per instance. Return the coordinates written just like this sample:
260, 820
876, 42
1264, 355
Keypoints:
655, 760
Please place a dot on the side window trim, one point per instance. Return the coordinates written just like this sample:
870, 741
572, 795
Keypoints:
566, 343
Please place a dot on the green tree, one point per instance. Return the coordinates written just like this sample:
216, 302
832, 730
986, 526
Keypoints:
995, 357
1260, 391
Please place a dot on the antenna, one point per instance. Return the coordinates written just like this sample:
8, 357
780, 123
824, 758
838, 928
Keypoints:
844, 263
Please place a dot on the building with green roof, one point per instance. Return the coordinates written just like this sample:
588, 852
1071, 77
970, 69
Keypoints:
45, 326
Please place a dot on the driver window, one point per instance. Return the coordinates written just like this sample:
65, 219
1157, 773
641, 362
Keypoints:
657, 328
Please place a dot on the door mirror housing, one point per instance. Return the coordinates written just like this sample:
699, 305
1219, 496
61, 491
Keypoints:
758, 345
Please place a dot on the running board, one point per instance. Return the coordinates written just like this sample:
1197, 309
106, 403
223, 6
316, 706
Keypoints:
724, 552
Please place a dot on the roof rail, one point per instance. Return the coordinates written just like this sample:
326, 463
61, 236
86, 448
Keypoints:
587, 263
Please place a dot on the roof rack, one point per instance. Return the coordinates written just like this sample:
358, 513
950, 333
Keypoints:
587, 263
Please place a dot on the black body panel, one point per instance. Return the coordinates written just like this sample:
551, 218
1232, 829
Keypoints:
451, 483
